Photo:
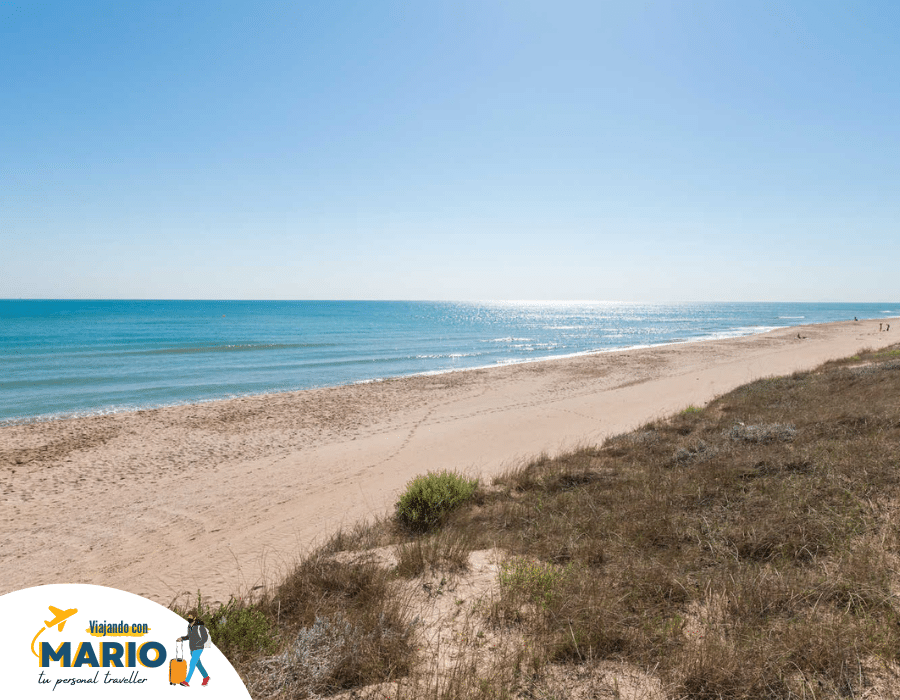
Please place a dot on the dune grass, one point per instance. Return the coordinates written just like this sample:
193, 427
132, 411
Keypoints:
746, 549
429, 499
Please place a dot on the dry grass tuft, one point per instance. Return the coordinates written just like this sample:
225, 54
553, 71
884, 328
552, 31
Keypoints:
446, 550
342, 627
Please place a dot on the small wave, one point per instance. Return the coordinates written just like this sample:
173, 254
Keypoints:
454, 355
108, 410
792, 317
509, 339
534, 347
114, 409
738, 332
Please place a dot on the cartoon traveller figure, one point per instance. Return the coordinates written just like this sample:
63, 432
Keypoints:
198, 638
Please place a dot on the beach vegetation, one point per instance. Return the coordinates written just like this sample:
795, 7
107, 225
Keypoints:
534, 581
430, 498
444, 550
237, 628
745, 550
772, 432
341, 626
361, 536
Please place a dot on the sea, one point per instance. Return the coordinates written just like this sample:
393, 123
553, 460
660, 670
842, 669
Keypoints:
64, 358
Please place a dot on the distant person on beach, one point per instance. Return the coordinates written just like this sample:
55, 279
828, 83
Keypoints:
888, 327
855, 319
879, 327
198, 636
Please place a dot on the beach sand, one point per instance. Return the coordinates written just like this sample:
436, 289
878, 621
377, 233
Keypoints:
224, 496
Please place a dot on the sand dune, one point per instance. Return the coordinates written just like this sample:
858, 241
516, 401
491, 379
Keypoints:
222, 496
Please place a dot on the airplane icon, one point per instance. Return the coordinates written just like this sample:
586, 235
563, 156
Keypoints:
61, 617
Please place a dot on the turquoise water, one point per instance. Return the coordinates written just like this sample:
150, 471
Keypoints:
62, 358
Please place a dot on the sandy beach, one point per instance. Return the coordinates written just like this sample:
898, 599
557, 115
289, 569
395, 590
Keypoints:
223, 496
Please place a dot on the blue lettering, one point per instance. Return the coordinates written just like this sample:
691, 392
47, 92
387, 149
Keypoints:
63, 654
111, 653
85, 655
144, 654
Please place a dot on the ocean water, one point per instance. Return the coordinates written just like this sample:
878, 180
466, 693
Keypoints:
66, 358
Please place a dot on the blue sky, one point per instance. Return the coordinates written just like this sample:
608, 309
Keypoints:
641, 151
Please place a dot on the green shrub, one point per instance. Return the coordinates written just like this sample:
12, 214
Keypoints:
430, 498
235, 628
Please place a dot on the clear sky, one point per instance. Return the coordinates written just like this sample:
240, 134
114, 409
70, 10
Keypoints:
460, 149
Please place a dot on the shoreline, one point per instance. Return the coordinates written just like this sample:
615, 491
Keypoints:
111, 411
223, 495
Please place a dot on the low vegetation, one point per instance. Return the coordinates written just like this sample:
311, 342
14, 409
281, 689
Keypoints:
240, 631
429, 499
748, 549
529, 581
340, 626
447, 550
